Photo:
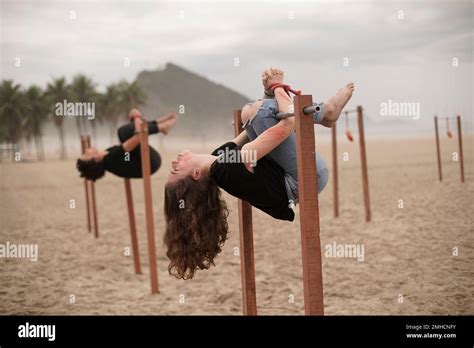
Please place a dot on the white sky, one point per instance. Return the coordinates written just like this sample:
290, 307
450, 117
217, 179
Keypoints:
405, 60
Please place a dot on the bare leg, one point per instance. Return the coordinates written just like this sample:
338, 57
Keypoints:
165, 124
166, 117
334, 105
327, 123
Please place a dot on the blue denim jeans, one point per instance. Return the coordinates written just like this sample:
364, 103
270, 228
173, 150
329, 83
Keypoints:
285, 153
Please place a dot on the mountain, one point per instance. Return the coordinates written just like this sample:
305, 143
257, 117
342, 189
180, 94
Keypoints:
208, 106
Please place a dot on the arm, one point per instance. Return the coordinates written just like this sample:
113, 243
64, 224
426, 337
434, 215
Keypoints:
134, 141
241, 139
283, 100
273, 136
131, 143
267, 141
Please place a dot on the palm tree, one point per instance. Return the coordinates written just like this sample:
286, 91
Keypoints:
83, 91
131, 96
56, 92
37, 113
109, 107
12, 109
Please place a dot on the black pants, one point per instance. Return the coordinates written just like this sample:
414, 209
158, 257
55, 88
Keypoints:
127, 131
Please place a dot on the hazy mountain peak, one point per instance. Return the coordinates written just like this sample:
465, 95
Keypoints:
208, 106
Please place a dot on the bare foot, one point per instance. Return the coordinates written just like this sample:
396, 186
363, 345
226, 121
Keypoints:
272, 76
165, 126
134, 113
335, 104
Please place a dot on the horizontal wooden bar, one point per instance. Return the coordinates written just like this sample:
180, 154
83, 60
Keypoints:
446, 118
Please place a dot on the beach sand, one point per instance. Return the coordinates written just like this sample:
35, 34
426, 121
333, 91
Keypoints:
408, 251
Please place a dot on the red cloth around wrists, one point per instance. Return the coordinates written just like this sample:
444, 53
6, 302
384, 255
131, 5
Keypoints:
287, 88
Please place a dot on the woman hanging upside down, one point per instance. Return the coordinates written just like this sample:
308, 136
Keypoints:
124, 160
265, 176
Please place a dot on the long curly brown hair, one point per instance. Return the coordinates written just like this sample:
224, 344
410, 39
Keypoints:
90, 169
196, 225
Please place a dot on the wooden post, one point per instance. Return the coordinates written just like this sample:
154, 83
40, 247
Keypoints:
133, 227
334, 171
309, 208
363, 161
146, 173
94, 209
92, 189
86, 186
247, 265
438, 152
461, 156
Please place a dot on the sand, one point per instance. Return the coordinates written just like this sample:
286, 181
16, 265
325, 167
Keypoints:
408, 251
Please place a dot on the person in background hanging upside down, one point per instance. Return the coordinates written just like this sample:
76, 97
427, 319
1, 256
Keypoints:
124, 160
265, 176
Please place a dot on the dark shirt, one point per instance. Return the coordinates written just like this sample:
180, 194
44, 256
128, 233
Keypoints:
116, 162
264, 189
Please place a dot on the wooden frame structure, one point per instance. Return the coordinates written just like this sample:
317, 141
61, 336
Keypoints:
133, 227
363, 161
247, 263
142, 130
309, 216
89, 187
438, 151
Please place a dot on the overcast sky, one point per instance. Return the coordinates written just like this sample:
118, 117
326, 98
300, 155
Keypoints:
398, 50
